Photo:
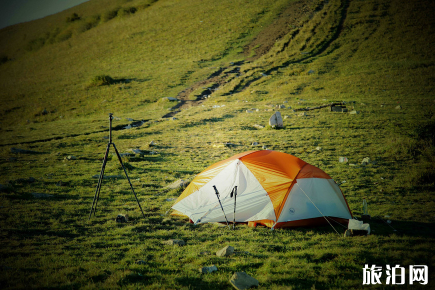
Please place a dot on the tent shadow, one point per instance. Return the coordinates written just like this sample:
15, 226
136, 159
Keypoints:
380, 227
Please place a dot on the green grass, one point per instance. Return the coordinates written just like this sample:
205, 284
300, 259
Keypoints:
374, 55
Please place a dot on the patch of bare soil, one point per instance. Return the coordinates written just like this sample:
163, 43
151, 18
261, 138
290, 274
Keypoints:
287, 20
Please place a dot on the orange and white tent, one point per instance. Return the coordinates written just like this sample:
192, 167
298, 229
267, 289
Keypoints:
273, 188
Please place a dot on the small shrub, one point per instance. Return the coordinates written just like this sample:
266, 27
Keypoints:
73, 17
35, 44
51, 36
3, 58
64, 36
110, 14
101, 80
89, 24
126, 11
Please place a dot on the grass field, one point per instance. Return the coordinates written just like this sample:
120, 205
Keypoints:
377, 56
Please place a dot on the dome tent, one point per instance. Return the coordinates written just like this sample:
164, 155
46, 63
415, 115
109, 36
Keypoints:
273, 188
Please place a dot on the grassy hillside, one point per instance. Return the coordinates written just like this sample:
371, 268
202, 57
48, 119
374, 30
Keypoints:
62, 75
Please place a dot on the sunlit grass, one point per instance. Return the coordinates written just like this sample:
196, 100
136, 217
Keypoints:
374, 56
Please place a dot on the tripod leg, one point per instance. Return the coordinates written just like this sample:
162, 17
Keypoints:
100, 180
125, 171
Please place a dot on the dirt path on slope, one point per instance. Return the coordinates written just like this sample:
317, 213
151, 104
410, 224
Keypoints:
286, 21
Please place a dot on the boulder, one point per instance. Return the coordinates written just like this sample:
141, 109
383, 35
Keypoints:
242, 281
276, 120
226, 251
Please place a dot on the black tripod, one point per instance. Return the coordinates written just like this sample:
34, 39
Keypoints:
97, 191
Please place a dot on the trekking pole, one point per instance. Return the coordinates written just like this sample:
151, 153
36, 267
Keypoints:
217, 194
235, 194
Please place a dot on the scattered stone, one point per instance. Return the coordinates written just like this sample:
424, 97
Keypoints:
173, 119
170, 199
303, 114
399, 107
226, 251
173, 242
310, 71
354, 112
127, 127
24, 151
338, 108
348, 233
137, 123
254, 143
45, 112
129, 119
138, 151
343, 159
229, 145
41, 195
264, 147
242, 281
177, 184
140, 262
365, 161
275, 120
318, 148
281, 107
209, 269
286, 117
285, 102
258, 126
152, 144
121, 218
171, 99
249, 111
70, 157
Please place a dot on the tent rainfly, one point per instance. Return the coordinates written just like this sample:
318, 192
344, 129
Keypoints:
274, 189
